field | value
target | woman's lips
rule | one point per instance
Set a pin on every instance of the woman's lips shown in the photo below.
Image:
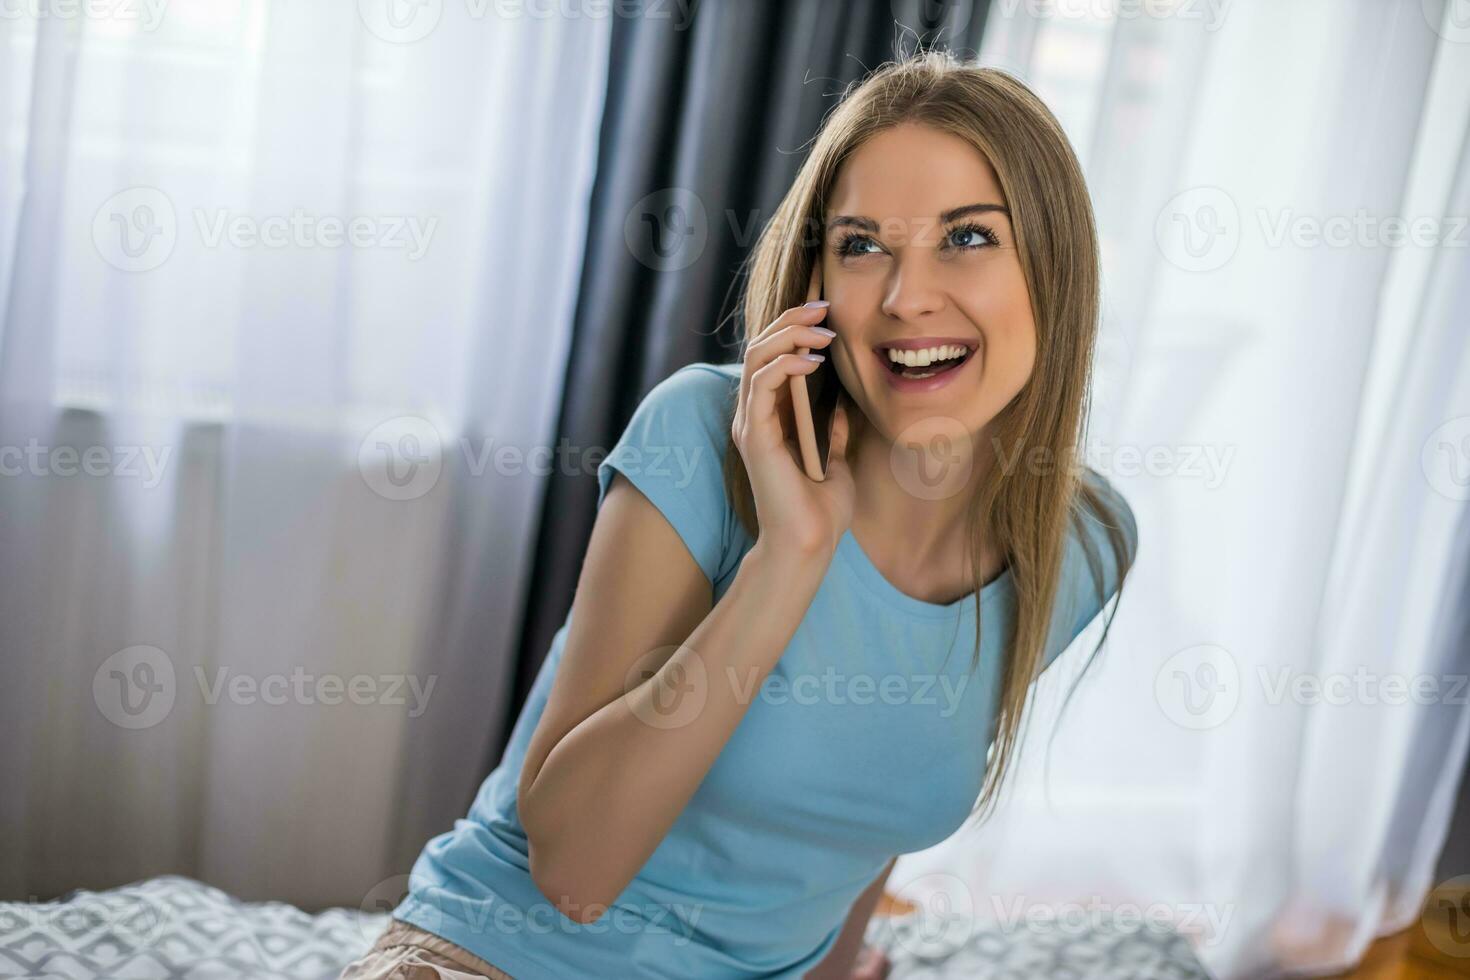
(933, 382)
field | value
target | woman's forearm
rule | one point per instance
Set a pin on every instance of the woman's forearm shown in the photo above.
(839, 961)
(609, 791)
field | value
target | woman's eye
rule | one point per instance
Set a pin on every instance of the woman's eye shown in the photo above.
(854, 245)
(970, 238)
(964, 239)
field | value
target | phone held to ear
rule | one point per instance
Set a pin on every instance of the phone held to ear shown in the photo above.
(814, 407)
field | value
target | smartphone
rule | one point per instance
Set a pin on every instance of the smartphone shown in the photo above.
(814, 406)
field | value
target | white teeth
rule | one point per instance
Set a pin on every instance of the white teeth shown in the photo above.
(927, 356)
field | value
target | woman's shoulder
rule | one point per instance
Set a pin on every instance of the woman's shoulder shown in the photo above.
(672, 450)
(1101, 547)
(693, 401)
(704, 382)
(692, 407)
(1102, 507)
(729, 374)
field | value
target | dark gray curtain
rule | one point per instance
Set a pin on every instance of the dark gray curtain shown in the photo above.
(705, 125)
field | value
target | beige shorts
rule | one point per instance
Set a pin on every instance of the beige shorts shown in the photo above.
(406, 952)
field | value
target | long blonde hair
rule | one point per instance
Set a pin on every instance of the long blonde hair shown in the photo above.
(1056, 239)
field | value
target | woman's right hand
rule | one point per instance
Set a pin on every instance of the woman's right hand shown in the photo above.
(793, 509)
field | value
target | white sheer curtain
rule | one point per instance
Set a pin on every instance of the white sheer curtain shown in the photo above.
(266, 268)
(1265, 751)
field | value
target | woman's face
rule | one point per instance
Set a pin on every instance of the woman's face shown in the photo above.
(901, 271)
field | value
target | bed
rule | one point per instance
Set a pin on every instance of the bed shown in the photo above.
(175, 927)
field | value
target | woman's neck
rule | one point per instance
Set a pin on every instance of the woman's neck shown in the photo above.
(912, 503)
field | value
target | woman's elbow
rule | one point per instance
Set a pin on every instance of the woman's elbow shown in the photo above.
(564, 894)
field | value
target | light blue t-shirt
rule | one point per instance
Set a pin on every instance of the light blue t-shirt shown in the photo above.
(864, 741)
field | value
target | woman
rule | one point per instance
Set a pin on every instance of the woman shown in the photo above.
(752, 708)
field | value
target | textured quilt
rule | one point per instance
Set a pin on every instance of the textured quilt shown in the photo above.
(173, 927)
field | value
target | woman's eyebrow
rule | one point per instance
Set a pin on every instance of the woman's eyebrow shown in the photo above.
(868, 224)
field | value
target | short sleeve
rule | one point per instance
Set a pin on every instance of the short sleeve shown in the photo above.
(673, 450)
(1079, 599)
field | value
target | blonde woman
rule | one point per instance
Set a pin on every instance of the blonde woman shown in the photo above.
(753, 707)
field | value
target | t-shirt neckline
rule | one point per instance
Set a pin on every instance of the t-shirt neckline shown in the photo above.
(862, 565)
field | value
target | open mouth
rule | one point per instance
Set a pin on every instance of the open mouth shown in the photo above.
(917, 364)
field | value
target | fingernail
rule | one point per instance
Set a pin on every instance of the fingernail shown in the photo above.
(818, 302)
(825, 332)
(814, 357)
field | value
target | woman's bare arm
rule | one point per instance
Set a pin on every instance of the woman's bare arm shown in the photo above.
(600, 786)
(840, 959)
